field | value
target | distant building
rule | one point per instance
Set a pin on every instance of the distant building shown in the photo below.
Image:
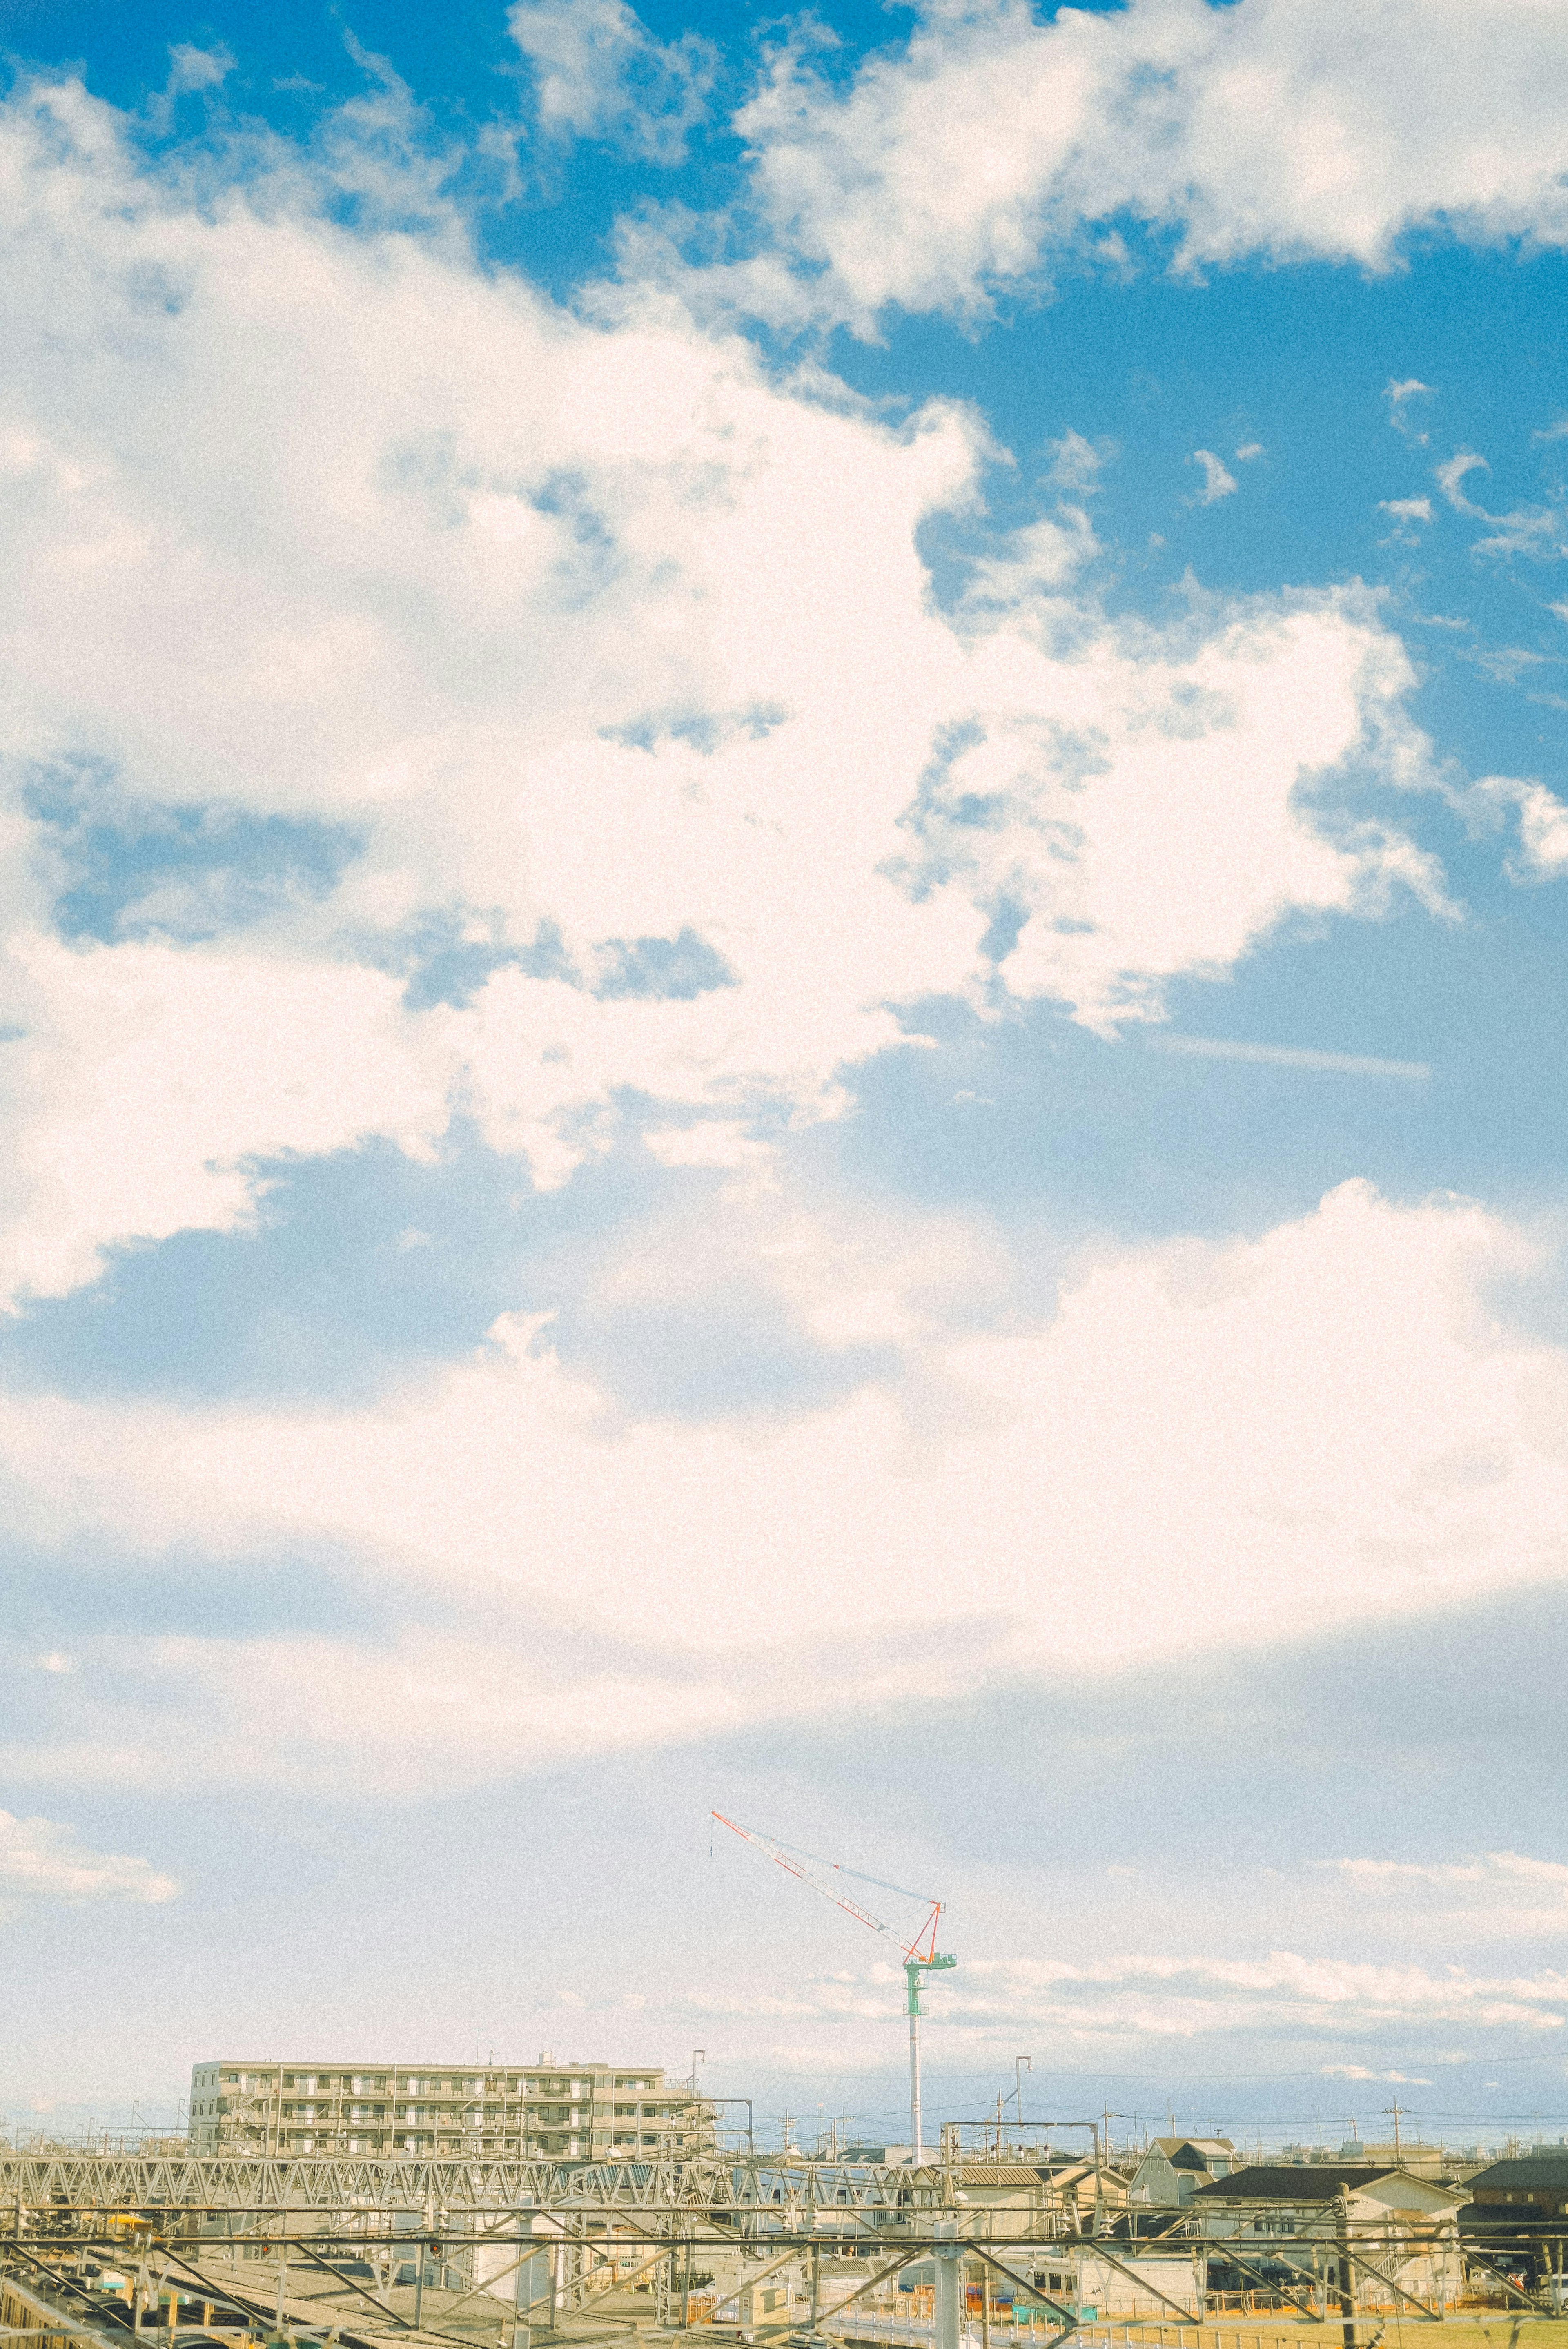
(1173, 2169)
(582, 2111)
(1520, 2194)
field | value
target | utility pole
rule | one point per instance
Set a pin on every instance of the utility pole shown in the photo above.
(1395, 2109)
(1347, 2274)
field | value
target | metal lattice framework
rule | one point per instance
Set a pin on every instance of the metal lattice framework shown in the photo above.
(237, 2182)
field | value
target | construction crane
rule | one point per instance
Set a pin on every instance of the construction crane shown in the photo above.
(921, 1955)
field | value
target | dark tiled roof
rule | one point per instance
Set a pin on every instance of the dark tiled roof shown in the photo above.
(1318, 2181)
(1525, 2169)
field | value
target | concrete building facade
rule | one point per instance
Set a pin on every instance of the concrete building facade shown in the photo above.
(577, 2111)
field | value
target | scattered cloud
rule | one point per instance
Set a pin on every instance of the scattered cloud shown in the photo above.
(600, 74)
(1506, 664)
(1189, 1997)
(1076, 463)
(1543, 823)
(1253, 449)
(961, 159)
(1217, 481)
(41, 1861)
(1540, 532)
(1399, 397)
(1500, 1896)
(1404, 513)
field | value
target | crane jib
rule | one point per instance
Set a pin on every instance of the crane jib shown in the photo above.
(920, 1956)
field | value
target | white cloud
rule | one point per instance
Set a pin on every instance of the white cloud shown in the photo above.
(1218, 482)
(1360, 2071)
(1291, 1056)
(1141, 1999)
(1535, 531)
(1543, 823)
(600, 74)
(1208, 1444)
(1403, 513)
(953, 162)
(564, 622)
(1076, 463)
(40, 1860)
(1399, 397)
(145, 1078)
(1186, 1996)
(1503, 1895)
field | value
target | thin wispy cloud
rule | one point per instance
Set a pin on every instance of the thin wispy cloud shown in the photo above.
(42, 1860)
(1290, 1056)
(1219, 481)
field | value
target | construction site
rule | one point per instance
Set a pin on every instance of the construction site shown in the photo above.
(319, 2202)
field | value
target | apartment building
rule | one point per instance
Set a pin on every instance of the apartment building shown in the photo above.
(576, 2111)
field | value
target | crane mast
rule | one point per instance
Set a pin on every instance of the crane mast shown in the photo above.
(921, 1956)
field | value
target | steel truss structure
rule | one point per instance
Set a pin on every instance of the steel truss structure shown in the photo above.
(253, 2184)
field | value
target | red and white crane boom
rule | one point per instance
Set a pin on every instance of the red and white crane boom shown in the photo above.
(920, 1955)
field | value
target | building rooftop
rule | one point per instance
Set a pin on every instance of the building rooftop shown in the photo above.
(1548, 2167)
(1294, 2181)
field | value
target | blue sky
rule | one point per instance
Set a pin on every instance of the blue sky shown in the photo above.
(783, 855)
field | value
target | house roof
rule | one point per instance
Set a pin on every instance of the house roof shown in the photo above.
(1525, 2169)
(1214, 2146)
(1000, 2173)
(1279, 2182)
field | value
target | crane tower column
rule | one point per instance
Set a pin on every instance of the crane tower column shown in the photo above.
(913, 1968)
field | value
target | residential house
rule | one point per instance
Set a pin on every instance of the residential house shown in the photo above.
(1400, 2232)
(1173, 2169)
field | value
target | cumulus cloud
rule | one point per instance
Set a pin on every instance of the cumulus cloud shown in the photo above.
(41, 1861)
(599, 73)
(955, 162)
(1205, 1445)
(550, 635)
